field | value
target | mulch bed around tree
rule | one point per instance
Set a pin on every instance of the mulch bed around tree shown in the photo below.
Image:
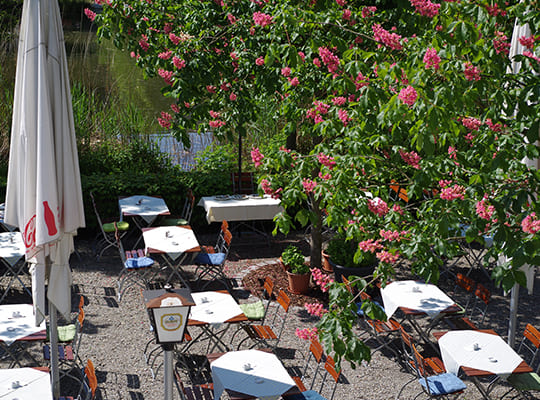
(253, 282)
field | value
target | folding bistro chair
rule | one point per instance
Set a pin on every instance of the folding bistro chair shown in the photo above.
(138, 269)
(329, 370)
(108, 230)
(268, 335)
(434, 364)
(526, 383)
(211, 260)
(196, 392)
(433, 385)
(185, 216)
(89, 385)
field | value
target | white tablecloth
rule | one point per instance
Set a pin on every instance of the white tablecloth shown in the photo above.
(11, 247)
(247, 208)
(8, 227)
(173, 240)
(415, 295)
(214, 307)
(493, 355)
(17, 321)
(32, 384)
(267, 378)
(146, 207)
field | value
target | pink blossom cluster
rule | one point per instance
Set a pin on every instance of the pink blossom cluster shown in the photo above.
(452, 152)
(321, 107)
(259, 61)
(483, 210)
(309, 185)
(90, 14)
(497, 127)
(167, 28)
(471, 123)
(386, 257)
(412, 158)
(307, 333)
(392, 236)
(165, 55)
(426, 7)
(495, 10)
(329, 59)
(216, 123)
(143, 42)
(368, 11)
(341, 2)
(256, 156)
(530, 224)
(175, 39)
(346, 15)
(408, 95)
(327, 161)
(500, 42)
(397, 208)
(528, 42)
(343, 115)
(166, 75)
(445, 183)
(531, 55)
(361, 81)
(391, 40)
(339, 101)
(232, 19)
(286, 71)
(175, 108)
(178, 62)
(324, 177)
(321, 279)
(315, 309)
(262, 19)
(370, 245)
(165, 120)
(453, 192)
(471, 72)
(432, 59)
(378, 206)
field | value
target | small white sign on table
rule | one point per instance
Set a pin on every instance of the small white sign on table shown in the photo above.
(479, 350)
(214, 307)
(18, 321)
(414, 295)
(25, 384)
(252, 372)
(146, 207)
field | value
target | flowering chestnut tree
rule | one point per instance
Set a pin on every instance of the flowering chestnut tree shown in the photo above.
(406, 130)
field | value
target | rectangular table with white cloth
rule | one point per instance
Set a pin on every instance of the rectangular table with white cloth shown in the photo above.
(17, 331)
(213, 313)
(417, 299)
(251, 372)
(240, 208)
(12, 251)
(6, 227)
(143, 210)
(174, 244)
(479, 353)
(25, 384)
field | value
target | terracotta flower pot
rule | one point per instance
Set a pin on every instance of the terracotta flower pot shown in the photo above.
(326, 265)
(340, 271)
(299, 283)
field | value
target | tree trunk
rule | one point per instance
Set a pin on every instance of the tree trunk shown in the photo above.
(316, 236)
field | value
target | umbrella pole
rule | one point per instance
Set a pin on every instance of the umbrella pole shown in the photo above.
(53, 333)
(512, 327)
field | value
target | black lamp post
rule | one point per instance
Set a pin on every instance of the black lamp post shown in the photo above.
(168, 310)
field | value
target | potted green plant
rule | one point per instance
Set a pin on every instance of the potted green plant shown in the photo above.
(347, 259)
(297, 269)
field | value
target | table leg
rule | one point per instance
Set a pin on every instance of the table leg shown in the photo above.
(481, 389)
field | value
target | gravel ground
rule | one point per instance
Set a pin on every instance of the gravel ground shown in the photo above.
(115, 333)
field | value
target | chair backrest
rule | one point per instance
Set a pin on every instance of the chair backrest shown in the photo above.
(243, 183)
(330, 370)
(96, 212)
(396, 191)
(482, 293)
(189, 203)
(407, 343)
(465, 282)
(419, 362)
(531, 343)
(91, 379)
(280, 314)
(268, 288)
(81, 303)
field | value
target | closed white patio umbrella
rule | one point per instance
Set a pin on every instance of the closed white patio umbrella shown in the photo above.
(44, 197)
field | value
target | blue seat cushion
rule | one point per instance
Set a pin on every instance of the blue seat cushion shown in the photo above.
(138, 262)
(443, 384)
(210, 258)
(307, 395)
